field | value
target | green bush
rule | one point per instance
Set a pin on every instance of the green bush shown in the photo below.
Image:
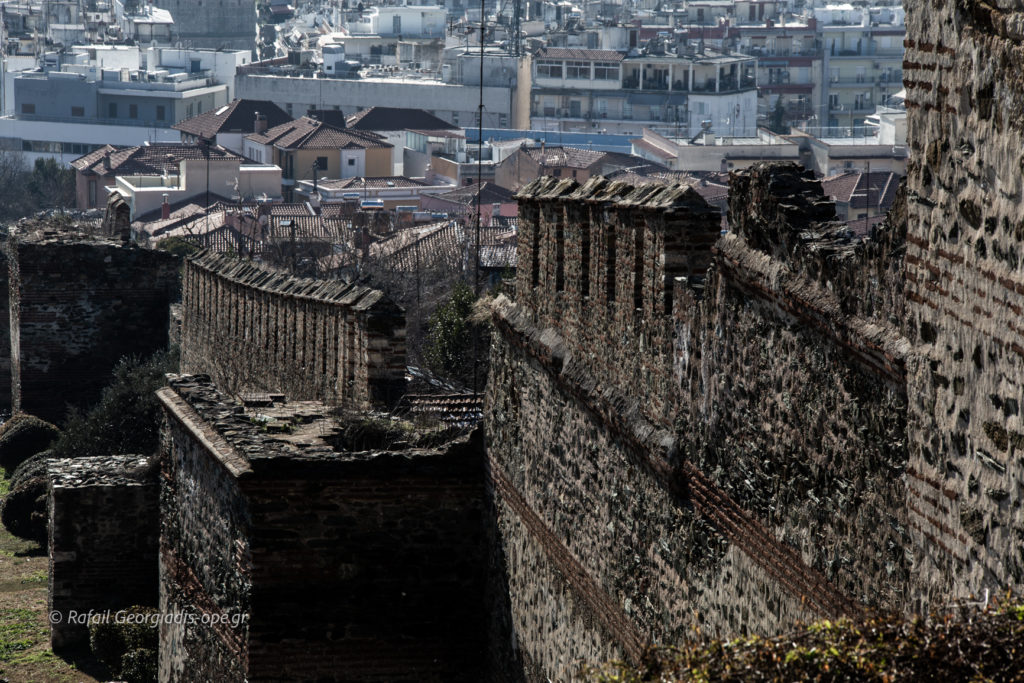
(23, 436)
(24, 512)
(34, 467)
(128, 650)
(127, 418)
(179, 246)
(450, 339)
(139, 666)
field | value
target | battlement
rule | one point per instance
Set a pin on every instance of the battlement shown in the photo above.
(254, 329)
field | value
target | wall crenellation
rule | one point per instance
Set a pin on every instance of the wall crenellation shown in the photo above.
(693, 401)
(253, 329)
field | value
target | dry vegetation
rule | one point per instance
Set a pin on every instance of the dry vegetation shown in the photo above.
(967, 644)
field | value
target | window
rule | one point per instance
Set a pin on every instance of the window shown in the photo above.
(161, 113)
(78, 111)
(352, 162)
(579, 70)
(606, 71)
(833, 101)
(189, 112)
(28, 108)
(92, 193)
(112, 110)
(549, 69)
(133, 111)
(321, 163)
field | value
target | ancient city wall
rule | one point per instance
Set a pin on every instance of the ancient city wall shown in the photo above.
(104, 527)
(77, 305)
(965, 293)
(336, 565)
(684, 433)
(254, 329)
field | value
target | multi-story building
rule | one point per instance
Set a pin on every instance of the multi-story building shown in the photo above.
(789, 66)
(96, 95)
(622, 92)
(308, 149)
(862, 63)
(215, 24)
(297, 92)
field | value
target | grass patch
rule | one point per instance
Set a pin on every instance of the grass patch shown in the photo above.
(38, 578)
(19, 631)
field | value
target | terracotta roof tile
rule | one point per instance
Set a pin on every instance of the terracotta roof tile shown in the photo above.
(238, 116)
(151, 159)
(308, 133)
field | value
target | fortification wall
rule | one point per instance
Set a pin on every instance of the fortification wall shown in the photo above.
(964, 73)
(104, 527)
(253, 329)
(688, 460)
(77, 305)
(363, 566)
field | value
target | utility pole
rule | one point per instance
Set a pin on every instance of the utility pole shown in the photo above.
(479, 187)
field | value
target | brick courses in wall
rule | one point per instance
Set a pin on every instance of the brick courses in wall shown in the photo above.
(671, 417)
(104, 528)
(355, 566)
(965, 292)
(253, 329)
(76, 305)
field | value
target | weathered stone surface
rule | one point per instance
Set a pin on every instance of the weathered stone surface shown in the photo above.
(103, 535)
(318, 564)
(964, 73)
(257, 330)
(712, 447)
(77, 305)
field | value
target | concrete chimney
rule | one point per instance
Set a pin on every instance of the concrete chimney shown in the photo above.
(165, 209)
(260, 126)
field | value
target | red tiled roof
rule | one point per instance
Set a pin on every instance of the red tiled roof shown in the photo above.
(238, 116)
(861, 190)
(489, 194)
(151, 159)
(307, 133)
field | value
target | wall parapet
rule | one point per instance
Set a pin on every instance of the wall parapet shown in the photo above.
(255, 329)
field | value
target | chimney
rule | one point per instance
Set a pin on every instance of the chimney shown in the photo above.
(260, 126)
(165, 209)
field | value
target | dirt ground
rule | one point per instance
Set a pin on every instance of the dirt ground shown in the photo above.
(25, 655)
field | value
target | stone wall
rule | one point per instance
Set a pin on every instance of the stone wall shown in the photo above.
(104, 528)
(310, 561)
(686, 433)
(965, 293)
(77, 305)
(253, 329)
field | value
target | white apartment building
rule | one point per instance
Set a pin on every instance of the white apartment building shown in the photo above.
(622, 92)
